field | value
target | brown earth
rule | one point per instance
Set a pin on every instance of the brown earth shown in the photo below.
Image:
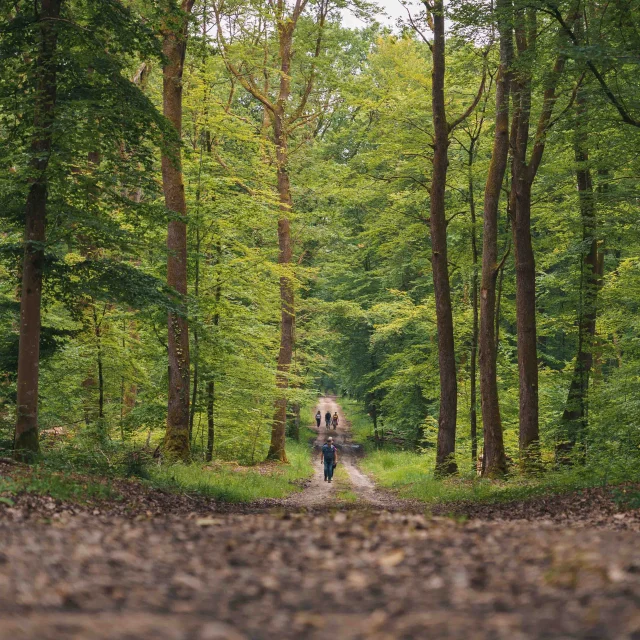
(168, 567)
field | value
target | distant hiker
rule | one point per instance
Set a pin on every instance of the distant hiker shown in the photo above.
(329, 457)
(327, 419)
(334, 420)
(318, 418)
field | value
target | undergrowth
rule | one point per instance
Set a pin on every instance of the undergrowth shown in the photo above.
(410, 473)
(411, 476)
(235, 483)
(96, 467)
(61, 486)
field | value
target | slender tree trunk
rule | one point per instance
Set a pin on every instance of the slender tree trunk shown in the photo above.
(210, 424)
(526, 322)
(445, 456)
(287, 323)
(26, 443)
(196, 342)
(98, 334)
(473, 403)
(176, 443)
(296, 423)
(574, 418)
(494, 461)
(523, 176)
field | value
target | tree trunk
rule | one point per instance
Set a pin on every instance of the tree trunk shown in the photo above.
(574, 418)
(278, 429)
(196, 341)
(296, 422)
(494, 462)
(523, 176)
(526, 322)
(473, 402)
(176, 443)
(26, 443)
(287, 323)
(98, 334)
(210, 425)
(445, 460)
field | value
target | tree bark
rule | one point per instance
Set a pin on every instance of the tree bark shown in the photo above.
(494, 461)
(473, 401)
(523, 175)
(210, 424)
(445, 456)
(287, 302)
(575, 417)
(26, 443)
(176, 443)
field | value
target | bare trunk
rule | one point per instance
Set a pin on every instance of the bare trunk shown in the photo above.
(210, 424)
(574, 418)
(473, 402)
(523, 176)
(176, 443)
(287, 323)
(211, 383)
(278, 429)
(26, 443)
(196, 341)
(526, 322)
(494, 461)
(445, 457)
(296, 423)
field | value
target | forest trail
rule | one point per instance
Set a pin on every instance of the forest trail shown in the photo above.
(319, 493)
(167, 567)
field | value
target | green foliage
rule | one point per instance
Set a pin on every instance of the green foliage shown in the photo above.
(234, 483)
(57, 485)
(411, 475)
(360, 166)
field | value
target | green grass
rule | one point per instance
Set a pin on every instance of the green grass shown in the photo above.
(411, 476)
(237, 483)
(361, 424)
(343, 485)
(61, 486)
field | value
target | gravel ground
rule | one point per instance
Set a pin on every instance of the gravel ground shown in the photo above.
(161, 566)
(70, 573)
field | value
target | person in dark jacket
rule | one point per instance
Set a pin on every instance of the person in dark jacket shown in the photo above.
(329, 458)
(327, 419)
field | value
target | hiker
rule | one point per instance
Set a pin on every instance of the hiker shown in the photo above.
(334, 420)
(329, 457)
(327, 419)
(318, 418)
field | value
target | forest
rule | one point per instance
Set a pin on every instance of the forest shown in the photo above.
(214, 210)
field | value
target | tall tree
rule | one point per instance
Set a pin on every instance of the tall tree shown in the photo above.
(494, 459)
(174, 47)
(283, 118)
(574, 417)
(26, 444)
(445, 456)
(523, 173)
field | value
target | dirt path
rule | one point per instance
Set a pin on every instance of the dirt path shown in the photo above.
(182, 569)
(319, 493)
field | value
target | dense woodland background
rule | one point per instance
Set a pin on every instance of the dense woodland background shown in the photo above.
(318, 185)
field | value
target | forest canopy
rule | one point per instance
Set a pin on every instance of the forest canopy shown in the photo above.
(214, 209)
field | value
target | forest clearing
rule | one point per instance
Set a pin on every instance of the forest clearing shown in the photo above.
(412, 225)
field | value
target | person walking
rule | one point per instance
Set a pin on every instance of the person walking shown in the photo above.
(334, 420)
(327, 419)
(318, 418)
(329, 457)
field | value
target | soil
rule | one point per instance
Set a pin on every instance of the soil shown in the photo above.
(168, 567)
